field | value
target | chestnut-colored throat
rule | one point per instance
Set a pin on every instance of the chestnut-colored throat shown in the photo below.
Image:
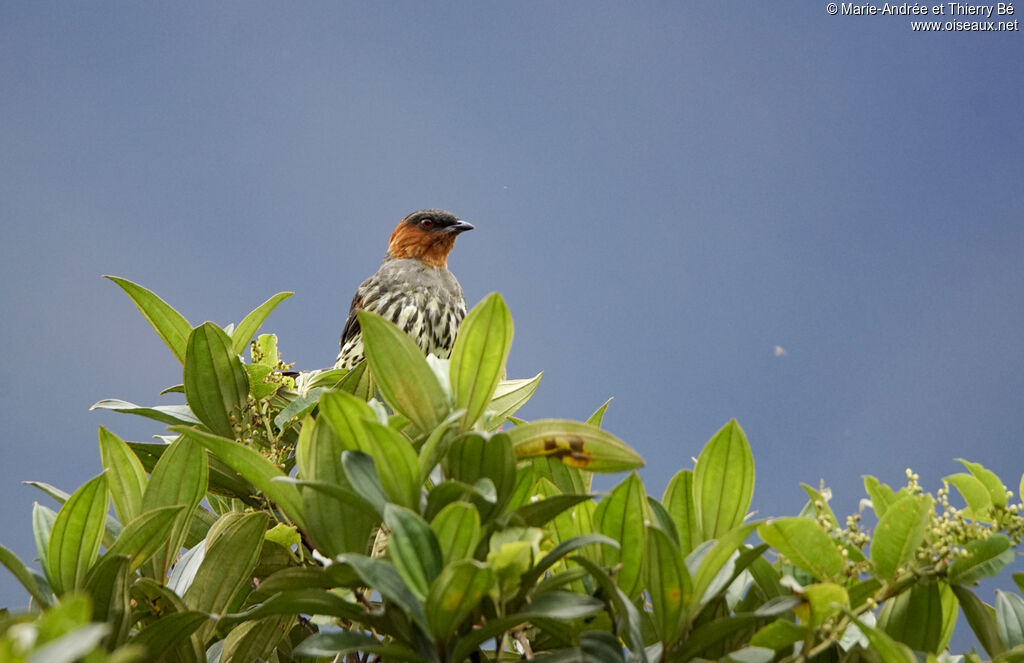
(431, 247)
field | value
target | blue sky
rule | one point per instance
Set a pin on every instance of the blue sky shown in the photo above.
(662, 192)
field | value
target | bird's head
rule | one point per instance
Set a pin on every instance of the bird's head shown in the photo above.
(427, 235)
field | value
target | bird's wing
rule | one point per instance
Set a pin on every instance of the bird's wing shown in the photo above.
(351, 328)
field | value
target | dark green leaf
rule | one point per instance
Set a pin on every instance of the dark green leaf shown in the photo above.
(985, 558)
(385, 579)
(216, 384)
(167, 414)
(24, 576)
(414, 549)
(170, 325)
(921, 618)
(147, 534)
(1010, 618)
(170, 632)
(982, 620)
(458, 531)
(343, 642)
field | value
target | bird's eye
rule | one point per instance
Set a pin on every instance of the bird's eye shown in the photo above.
(427, 223)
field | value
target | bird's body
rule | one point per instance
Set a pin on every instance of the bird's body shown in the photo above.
(413, 287)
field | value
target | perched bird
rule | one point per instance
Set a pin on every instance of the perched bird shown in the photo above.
(413, 287)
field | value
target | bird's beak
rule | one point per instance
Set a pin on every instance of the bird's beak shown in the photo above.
(459, 227)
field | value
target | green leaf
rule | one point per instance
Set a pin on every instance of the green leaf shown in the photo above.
(385, 579)
(1010, 618)
(454, 595)
(629, 619)
(179, 478)
(167, 414)
(227, 565)
(881, 495)
(216, 384)
(779, 634)
(170, 632)
(414, 549)
(985, 558)
(125, 473)
(988, 478)
(306, 601)
(899, 533)
(478, 358)
(76, 535)
(255, 640)
(669, 585)
(678, 500)
(597, 417)
(401, 371)
(715, 567)
(107, 585)
(723, 481)
(884, 647)
(621, 516)
(249, 325)
(401, 475)
(458, 531)
(42, 525)
(170, 325)
(576, 444)
(540, 512)
(254, 467)
(361, 473)
(344, 642)
(24, 576)
(982, 620)
(805, 544)
(975, 494)
(509, 396)
(922, 617)
(472, 458)
(71, 646)
(147, 534)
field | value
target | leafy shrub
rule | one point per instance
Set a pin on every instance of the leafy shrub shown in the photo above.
(321, 523)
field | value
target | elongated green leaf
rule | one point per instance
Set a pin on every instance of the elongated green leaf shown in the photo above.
(254, 467)
(458, 531)
(307, 601)
(107, 585)
(678, 500)
(170, 632)
(478, 358)
(575, 444)
(24, 576)
(805, 544)
(346, 414)
(669, 585)
(1010, 618)
(402, 374)
(170, 325)
(716, 565)
(394, 453)
(723, 481)
(125, 473)
(42, 525)
(454, 595)
(988, 478)
(385, 579)
(982, 619)
(414, 549)
(542, 511)
(343, 642)
(249, 325)
(216, 384)
(621, 516)
(779, 634)
(899, 533)
(921, 618)
(76, 535)
(472, 458)
(563, 549)
(179, 478)
(361, 473)
(975, 494)
(509, 396)
(255, 640)
(887, 649)
(147, 534)
(227, 565)
(71, 646)
(167, 414)
(985, 558)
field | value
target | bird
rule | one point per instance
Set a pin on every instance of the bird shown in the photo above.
(413, 287)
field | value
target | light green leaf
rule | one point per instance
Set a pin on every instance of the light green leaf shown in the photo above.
(669, 585)
(454, 595)
(678, 500)
(76, 535)
(24, 576)
(982, 619)
(992, 483)
(401, 371)
(975, 494)
(899, 533)
(393, 454)
(985, 558)
(125, 473)
(478, 358)
(805, 544)
(170, 325)
(621, 515)
(167, 414)
(458, 531)
(723, 481)
(881, 495)
(146, 534)
(251, 323)
(509, 396)
(574, 443)
(216, 383)
(922, 617)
